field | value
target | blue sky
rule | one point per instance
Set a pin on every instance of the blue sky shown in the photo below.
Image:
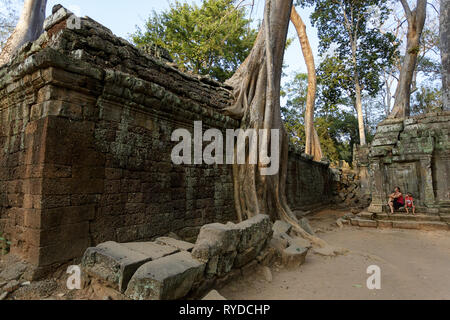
(122, 17)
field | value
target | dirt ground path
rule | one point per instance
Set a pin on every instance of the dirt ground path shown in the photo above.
(414, 265)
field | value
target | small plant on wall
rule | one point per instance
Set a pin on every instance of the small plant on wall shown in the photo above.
(4, 245)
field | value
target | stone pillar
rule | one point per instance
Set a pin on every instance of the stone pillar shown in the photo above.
(361, 164)
(379, 197)
(427, 181)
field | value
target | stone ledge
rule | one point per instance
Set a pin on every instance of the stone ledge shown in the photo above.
(400, 224)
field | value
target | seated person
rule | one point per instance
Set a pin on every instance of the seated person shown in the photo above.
(409, 203)
(396, 200)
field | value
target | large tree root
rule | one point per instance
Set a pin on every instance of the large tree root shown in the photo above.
(257, 86)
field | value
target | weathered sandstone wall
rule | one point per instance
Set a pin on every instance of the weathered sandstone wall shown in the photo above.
(85, 142)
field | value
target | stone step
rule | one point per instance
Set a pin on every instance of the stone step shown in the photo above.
(414, 225)
(400, 217)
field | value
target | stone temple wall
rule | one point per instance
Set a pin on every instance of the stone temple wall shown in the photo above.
(309, 183)
(413, 154)
(85, 142)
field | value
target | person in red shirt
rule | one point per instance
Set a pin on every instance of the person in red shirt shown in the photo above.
(409, 203)
(396, 200)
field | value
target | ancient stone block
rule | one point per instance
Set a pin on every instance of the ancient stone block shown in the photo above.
(226, 262)
(216, 239)
(367, 223)
(178, 244)
(245, 257)
(253, 231)
(294, 256)
(113, 263)
(266, 257)
(168, 278)
(281, 227)
(300, 242)
(151, 249)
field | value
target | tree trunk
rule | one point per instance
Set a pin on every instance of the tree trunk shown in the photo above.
(416, 22)
(358, 99)
(445, 43)
(388, 95)
(257, 85)
(312, 146)
(359, 111)
(28, 29)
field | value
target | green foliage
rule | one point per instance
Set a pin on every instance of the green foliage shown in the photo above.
(4, 245)
(351, 44)
(211, 39)
(427, 99)
(332, 127)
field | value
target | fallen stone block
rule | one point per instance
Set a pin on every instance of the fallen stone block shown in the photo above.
(199, 289)
(266, 257)
(216, 239)
(294, 256)
(281, 227)
(178, 244)
(226, 262)
(168, 278)
(212, 265)
(245, 257)
(113, 263)
(254, 231)
(278, 243)
(151, 249)
(300, 242)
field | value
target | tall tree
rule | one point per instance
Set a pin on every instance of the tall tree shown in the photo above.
(257, 85)
(445, 44)
(416, 21)
(28, 29)
(211, 39)
(293, 112)
(345, 28)
(312, 145)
